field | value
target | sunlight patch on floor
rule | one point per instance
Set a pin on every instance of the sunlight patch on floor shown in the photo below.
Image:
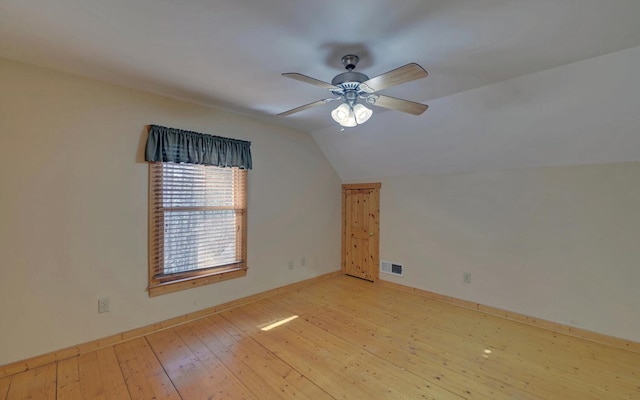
(277, 323)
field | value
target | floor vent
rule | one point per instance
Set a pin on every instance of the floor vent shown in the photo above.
(391, 268)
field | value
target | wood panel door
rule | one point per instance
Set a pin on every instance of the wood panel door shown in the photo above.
(360, 230)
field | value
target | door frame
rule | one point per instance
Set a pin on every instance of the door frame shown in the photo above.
(376, 228)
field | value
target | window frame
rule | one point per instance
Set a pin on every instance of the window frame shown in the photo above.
(162, 284)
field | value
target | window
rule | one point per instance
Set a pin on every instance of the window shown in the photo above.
(198, 225)
(197, 208)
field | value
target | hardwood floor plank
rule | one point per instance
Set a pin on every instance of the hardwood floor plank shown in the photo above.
(413, 356)
(457, 320)
(69, 380)
(533, 347)
(204, 344)
(456, 366)
(38, 383)
(312, 362)
(111, 374)
(351, 369)
(278, 375)
(101, 375)
(4, 387)
(143, 373)
(195, 378)
(422, 324)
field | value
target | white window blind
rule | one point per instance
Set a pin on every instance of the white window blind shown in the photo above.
(198, 221)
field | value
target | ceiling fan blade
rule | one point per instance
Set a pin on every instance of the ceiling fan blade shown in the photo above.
(308, 79)
(407, 106)
(302, 108)
(407, 73)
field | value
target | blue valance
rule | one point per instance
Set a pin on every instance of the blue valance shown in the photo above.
(178, 146)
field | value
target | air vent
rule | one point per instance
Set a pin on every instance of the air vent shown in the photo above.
(391, 268)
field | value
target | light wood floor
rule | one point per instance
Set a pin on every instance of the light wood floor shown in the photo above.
(350, 340)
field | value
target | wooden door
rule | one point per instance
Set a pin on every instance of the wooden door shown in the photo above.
(360, 230)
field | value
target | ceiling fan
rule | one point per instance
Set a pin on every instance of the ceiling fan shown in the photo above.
(355, 88)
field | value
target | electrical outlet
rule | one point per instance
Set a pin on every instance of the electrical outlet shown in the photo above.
(103, 305)
(466, 277)
(303, 261)
(290, 264)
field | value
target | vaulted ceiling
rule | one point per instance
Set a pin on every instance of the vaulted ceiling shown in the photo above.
(499, 95)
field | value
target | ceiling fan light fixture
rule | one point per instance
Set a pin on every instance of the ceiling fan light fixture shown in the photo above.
(361, 113)
(350, 122)
(341, 113)
(348, 116)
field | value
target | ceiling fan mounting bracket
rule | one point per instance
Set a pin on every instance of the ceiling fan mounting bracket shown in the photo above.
(350, 61)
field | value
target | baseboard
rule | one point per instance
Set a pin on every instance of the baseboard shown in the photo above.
(38, 361)
(525, 319)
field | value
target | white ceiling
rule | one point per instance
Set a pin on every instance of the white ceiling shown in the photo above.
(230, 54)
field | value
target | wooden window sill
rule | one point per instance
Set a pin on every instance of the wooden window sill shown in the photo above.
(161, 288)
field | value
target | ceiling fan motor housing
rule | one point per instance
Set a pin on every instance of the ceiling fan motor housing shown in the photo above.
(349, 76)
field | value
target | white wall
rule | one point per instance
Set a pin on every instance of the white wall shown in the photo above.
(73, 209)
(558, 243)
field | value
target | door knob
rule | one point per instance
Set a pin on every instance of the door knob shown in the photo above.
(370, 233)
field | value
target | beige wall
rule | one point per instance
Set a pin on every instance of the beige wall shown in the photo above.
(73, 209)
(562, 243)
